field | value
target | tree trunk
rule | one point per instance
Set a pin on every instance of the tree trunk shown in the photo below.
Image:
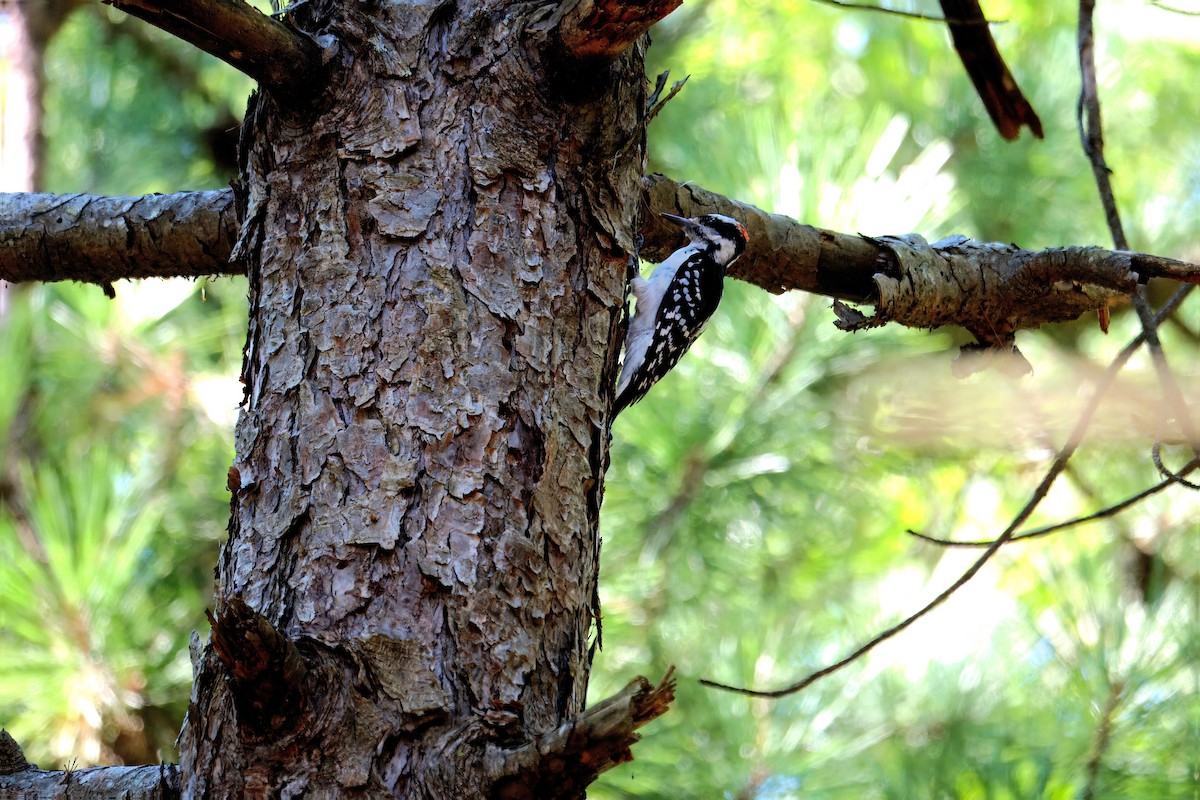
(437, 256)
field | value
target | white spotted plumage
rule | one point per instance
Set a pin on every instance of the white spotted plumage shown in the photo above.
(675, 303)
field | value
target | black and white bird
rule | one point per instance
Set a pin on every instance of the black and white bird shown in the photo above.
(675, 303)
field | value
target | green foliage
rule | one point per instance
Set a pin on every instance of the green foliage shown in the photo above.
(757, 499)
(115, 417)
(115, 420)
(133, 110)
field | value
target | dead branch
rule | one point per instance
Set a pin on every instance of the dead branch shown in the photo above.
(1056, 468)
(563, 762)
(1102, 388)
(268, 676)
(1091, 132)
(46, 237)
(1092, 138)
(601, 30)
(1104, 513)
(1035, 499)
(991, 289)
(997, 88)
(286, 62)
(653, 103)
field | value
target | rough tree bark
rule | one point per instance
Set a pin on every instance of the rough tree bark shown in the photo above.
(437, 246)
(437, 251)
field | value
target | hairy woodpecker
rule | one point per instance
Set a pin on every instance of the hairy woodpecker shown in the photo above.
(675, 303)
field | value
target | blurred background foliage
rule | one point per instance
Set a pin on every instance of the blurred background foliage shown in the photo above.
(757, 500)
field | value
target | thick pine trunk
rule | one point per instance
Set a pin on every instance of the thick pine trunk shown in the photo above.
(437, 261)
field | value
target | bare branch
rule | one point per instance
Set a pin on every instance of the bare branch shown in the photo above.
(286, 62)
(907, 14)
(1104, 513)
(12, 757)
(1091, 133)
(46, 237)
(97, 783)
(1173, 10)
(991, 289)
(601, 30)
(997, 88)
(1102, 387)
(191, 234)
(1060, 463)
(562, 762)
(267, 673)
(653, 104)
(1163, 469)
(1039, 494)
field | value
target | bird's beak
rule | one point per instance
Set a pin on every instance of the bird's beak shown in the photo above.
(683, 222)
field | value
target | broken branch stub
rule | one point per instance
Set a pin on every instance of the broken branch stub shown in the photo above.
(990, 288)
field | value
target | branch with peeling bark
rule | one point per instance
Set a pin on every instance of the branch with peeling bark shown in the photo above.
(78, 237)
(286, 62)
(991, 289)
(19, 778)
(563, 762)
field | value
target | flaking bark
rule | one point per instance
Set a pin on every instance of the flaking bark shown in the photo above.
(48, 237)
(992, 289)
(437, 268)
(20, 779)
(190, 234)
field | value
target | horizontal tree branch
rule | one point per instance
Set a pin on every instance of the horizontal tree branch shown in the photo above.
(21, 779)
(98, 783)
(991, 289)
(46, 237)
(287, 63)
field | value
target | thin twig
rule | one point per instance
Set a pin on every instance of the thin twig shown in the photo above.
(1173, 10)
(908, 14)
(1092, 138)
(1087, 116)
(1038, 495)
(1104, 513)
(1060, 462)
(1100, 739)
(1102, 387)
(1164, 470)
(654, 105)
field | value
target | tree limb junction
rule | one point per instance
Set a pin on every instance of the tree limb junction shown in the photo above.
(286, 62)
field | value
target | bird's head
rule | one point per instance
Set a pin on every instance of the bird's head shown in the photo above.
(722, 237)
